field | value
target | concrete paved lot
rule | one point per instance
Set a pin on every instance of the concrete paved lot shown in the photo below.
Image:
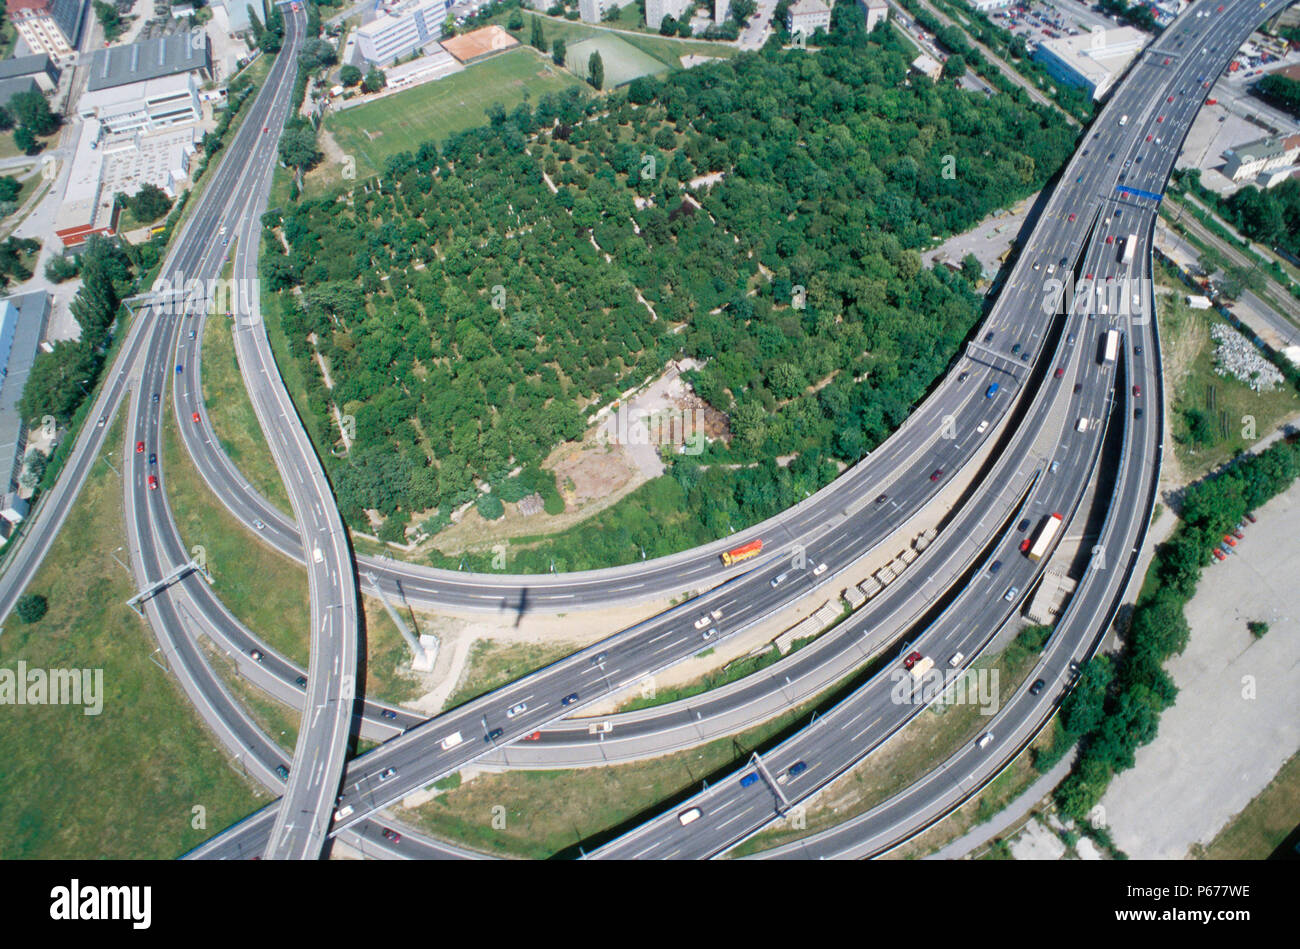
(1222, 742)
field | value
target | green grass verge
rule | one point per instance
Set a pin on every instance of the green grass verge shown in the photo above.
(122, 784)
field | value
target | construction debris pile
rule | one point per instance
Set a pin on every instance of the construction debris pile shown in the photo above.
(1236, 356)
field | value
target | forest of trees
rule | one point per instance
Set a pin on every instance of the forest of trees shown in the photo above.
(470, 323)
(1271, 217)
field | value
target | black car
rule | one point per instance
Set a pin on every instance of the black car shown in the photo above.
(1037, 687)
(282, 771)
(1110, 157)
(387, 713)
(301, 682)
(153, 458)
(1023, 525)
(962, 377)
(493, 735)
(1137, 350)
(1078, 387)
(995, 566)
(882, 499)
(1062, 261)
(1015, 348)
(988, 337)
(1137, 413)
(570, 698)
(155, 396)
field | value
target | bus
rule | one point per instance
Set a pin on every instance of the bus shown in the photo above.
(743, 552)
(1045, 535)
(1130, 245)
(1112, 346)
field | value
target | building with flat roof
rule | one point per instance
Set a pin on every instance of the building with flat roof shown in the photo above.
(39, 67)
(1092, 61)
(22, 325)
(52, 27)
(656, 10)
(874, 12)
(144, 106)
(927, 65)
(806, 17)
(150, 59)
(1246, 161)
(400, 28)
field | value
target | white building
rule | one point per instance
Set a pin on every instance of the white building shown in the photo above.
(721, 10)
(1091, 60)
(52, 27)
(144, 106)
(402, 27)
(874, 12)
(928, 66)
(591, 11)
(985, 5)
(656, 10)
(806, 16)
(1246, 161)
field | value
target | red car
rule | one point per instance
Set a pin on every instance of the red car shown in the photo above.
(1229, 540)
(1170, 99)
(1110, 238)
(196, 416)
(1072, 217)
(1159, 119)
(1219, 554)
(535, 736)
(1251, 517)
(264, 128)
(1024, 545)
(1089, 276)
(911, 660)
(392, 835)
(1060, 372)
(1137, 390)
(1148, 138)
(153, 482)
(1167, 61)
(936, 474)
(1219, 8)
(139, 448)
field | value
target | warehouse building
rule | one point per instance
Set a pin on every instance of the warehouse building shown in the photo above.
(1092, 61)
(125, 66)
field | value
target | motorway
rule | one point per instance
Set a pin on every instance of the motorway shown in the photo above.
(730, 812)
(626, 658)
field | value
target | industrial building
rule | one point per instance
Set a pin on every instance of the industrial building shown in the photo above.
(52, 27)
(144, 106)
(1092, 61)
(22, 326)
(178, 54)
(400, 28)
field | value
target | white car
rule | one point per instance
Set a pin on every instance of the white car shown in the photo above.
(983, 427)
(776, 582)
(387, 773)
(516, 709)
(819, 570)
(1011, 593)
(600, 728)
(708, 618)
(986, 739)
(956, 659)
(710, 633)
(343, 812)
(316, 555)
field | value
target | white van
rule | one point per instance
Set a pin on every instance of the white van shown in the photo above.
(689, 816)
(451, 741)
(956, 659)
(1123, 120)
(1082, 424)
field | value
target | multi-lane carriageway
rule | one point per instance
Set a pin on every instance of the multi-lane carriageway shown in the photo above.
(1159, 120)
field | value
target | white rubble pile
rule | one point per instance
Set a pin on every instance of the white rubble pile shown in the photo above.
(1236, 356)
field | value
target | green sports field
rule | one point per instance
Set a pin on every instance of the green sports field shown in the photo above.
(435, 110)
(623, 61)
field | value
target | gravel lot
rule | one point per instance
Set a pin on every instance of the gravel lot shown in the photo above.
(1220, 745)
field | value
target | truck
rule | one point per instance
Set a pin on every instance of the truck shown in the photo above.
(920, 668)
(743, 552)
(1130, 245)
(1046, 534)
(1111, 346)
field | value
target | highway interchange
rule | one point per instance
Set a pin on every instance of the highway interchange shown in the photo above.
(838, 526)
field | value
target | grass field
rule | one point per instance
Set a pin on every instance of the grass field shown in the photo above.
(492, 665)
(435, 110)
(121, 784)
(1188, 352)
(623, 61)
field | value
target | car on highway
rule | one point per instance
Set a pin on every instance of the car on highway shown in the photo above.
(1074, 217)
(391, 836)
(1037, 687)
(1059, 374)
(1010, 594)
(517, 709)
(798, 768)
(882, 498)
(139, 448)
(1054, 467)
(1137, 413)
(265, 129)
(962, 377)
(493, 735)
(192, 334)
(599, 658)
(955, 659)
(155, 397)
(709, 633)
(819, 570)
(569, 699)
(533, 736)
(708, 618)
(1110, 238)
(936, 474)
(259, 524)
(982, 427)
(153, 458)
(387, 713)
(387, 773)
(300, 682)
(1137, 390)
(1023, 525)
(256, 655)
(153, 482)
(1159, 119)
(180, 367)
(195, 416)
(985, 740)
(911, 660)
(282, 771)
(689, 816)
(344, 812)
(995, 566)
(778, 580)
(988, 337)
(748, 779)
(1070, 339)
